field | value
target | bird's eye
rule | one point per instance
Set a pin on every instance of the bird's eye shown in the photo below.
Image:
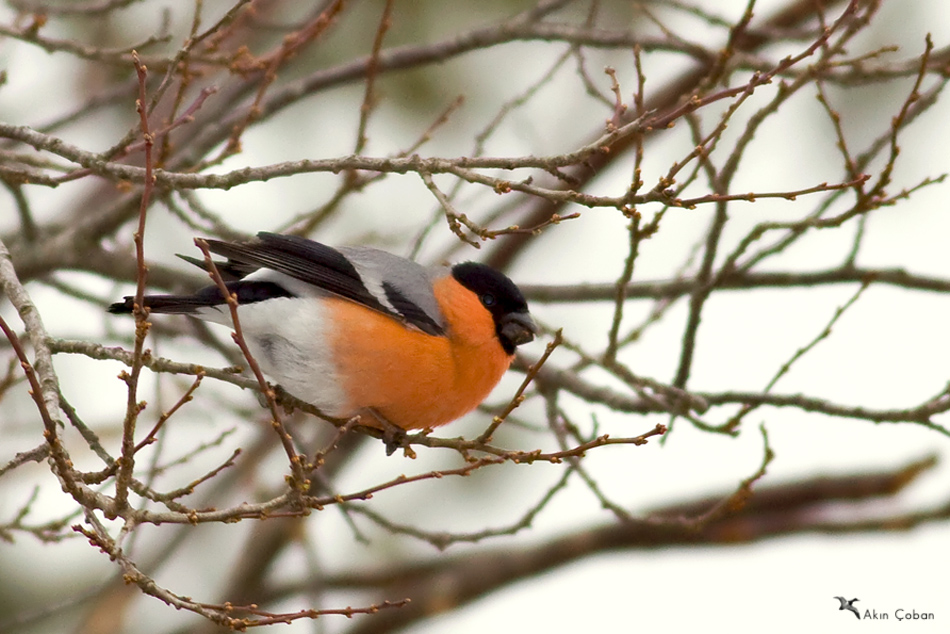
(488, 299)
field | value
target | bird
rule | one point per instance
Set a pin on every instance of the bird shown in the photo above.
(357, 331)
(848, 605)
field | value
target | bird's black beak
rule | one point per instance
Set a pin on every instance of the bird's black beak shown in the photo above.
(518, 328)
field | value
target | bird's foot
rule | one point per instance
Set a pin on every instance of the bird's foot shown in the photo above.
(394, 437)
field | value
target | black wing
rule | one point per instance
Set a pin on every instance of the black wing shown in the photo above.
(315, 264)
(308, 261)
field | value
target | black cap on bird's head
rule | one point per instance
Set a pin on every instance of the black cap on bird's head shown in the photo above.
(502, 299)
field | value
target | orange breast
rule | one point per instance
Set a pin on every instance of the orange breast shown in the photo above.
(413, 379)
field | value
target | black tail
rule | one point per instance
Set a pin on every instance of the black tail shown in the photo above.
(174, 304)
(247, 293)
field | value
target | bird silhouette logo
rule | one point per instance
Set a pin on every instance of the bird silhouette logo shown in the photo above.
(848, 605)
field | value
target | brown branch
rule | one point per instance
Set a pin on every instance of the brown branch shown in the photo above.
(300, 480)
(44, 384)
(664, 102)
(126, 462)
(801, 352)
(221, 614)
(518, 398)
(268, 65)
(61, 458)
(369, 96)
(185, 398)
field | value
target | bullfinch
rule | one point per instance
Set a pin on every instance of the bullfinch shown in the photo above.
(358, 331)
